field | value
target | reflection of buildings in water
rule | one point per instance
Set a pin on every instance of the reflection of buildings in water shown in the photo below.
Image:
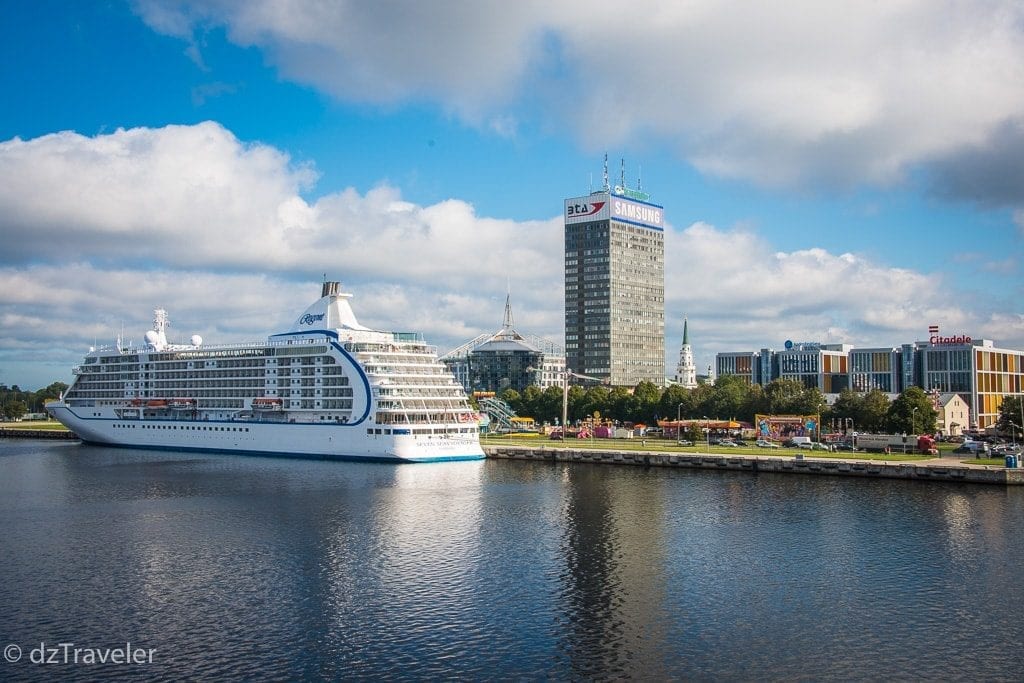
(613, 583)
(416, 545)
(963, 513)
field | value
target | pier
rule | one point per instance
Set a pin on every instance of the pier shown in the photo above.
(938, 469)
(16, 433)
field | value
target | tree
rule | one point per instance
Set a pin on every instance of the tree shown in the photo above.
(873, 412)
(14, 409)
(645, 404)
(513, 399)
(578, 402)
(845, 410)
(911, 413)
(729, 398)
(50, 393)
(549, 406)
(671, 398)
(785, 397)
(1011, 416)
(596, 399)
(619, 403)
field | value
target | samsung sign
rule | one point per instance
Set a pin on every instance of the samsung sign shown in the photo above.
(604, 206)
(635, 212)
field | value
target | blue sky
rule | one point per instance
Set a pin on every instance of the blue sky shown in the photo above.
(835, 172)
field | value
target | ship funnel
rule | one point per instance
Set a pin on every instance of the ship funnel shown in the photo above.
(331, 289)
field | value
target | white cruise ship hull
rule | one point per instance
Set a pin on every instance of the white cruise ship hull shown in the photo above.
(320, 441)
(327, 388)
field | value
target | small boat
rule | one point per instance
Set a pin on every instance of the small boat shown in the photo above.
(266, 403)
(156, 403)
(182, 403)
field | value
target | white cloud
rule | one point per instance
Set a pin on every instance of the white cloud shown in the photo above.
(793, 93)
(102, 230)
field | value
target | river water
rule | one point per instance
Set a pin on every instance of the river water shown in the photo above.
(221, 566)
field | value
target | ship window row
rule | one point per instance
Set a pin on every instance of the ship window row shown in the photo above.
(225, 384)
(205, 374)
(415, 418)
(434, 430)
(184, 428)
(299, 351)
(303, 361)
(114, 359)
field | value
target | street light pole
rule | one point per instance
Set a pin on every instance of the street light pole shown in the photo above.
(913, 421)
(679, 425)
(707, 433)
(565, 403)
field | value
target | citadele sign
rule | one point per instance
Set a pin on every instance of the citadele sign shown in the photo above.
(936, 340)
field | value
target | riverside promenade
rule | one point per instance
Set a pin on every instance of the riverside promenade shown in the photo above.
(936, 469)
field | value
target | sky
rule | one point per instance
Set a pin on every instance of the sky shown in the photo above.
(839, 172)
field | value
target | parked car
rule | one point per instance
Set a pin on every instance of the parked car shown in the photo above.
(729, 443)
(741, 443)
(684, 442)
(845, 447)
(764, 443)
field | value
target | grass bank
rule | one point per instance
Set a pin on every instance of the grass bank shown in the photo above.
(669, 446)
(35, 424)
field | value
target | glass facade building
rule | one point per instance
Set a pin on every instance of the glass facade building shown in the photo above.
(978, 372)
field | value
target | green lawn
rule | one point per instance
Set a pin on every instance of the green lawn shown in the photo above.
(35, 424)
(670, 446)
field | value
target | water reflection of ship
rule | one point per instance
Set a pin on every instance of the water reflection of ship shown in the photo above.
(613, 584)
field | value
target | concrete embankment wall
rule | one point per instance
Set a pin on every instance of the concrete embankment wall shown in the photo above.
(755, 463)
(8, 433)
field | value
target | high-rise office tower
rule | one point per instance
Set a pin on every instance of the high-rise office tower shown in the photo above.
(615, 285)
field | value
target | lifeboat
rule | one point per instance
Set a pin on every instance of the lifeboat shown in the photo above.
(182, 403)
(156, 403)
(266, 403)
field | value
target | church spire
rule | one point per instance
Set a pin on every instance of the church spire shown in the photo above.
(686, 370)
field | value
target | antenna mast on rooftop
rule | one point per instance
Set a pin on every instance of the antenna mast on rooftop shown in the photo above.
(605, 187)
(508, 323)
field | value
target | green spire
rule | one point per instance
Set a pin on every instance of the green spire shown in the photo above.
(686, 336)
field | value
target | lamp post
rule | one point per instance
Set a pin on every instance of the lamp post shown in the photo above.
(913, 421)
(707, 433)
(679, 425)
(565, 403)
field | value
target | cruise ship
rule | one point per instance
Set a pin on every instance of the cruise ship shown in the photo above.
(327, 388)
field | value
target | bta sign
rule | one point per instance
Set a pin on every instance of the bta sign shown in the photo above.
(936, 340)
(583, 210)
